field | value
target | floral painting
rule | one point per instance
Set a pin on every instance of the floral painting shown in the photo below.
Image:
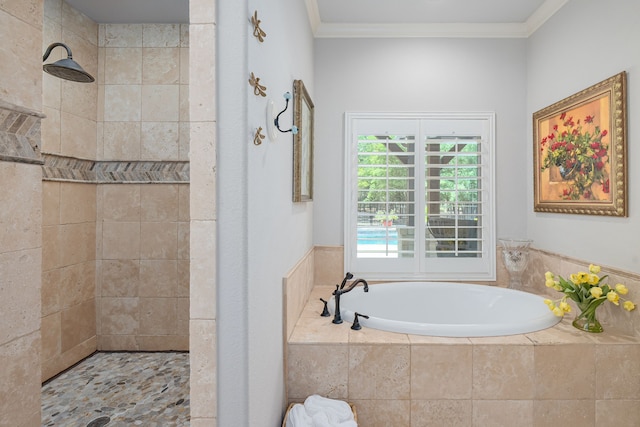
(579, 152)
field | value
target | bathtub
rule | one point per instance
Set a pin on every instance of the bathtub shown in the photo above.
(446, 309)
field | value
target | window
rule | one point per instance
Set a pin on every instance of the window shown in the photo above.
(419, 200)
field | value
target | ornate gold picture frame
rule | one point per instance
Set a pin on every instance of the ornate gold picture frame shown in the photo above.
(302, 144)
(580, 152)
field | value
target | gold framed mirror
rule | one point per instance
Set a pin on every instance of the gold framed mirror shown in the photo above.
(302, 144)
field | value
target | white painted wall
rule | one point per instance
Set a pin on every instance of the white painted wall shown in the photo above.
(420, 75)
(586, 42)
(279, 231)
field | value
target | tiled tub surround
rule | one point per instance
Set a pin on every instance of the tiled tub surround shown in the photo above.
(533, 379)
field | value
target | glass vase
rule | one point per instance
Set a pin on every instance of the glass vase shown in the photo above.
(587, 320)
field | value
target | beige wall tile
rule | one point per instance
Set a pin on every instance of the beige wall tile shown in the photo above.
(21, 213)
(182, 289)
(202, 72)
(80, 100)
(78, 324)
(30, 11)
(203, 174)
(160, 65)
(317, 369)
(159, 240)
(183, 240)
(77, 203)
(78, 136)
(184, 33)
(51, 256)
(623, 381)
(203, 368)
(617, 412)
(503, 372)
(122, 140)
(50, 130)
(122, 103)
(51, 333)
(184, 137)
(182, 313)
(159, 141)
(50, 203)
(203, 269)
(120, 278)
(379, 372)
(121, 202)
(450, 413)
(160, 103)
(183, 203)
(53, 10)
(161, 35)
(20, 385)
(85, 53)
(121, 240)
(79, 352)
(121, 35)
(117, 343)
(503, 413)
(555, 381)
(20, 289)
(21, 62)
(119, 316)
(159, 202)
(50, 294)
(573, 413)
(158, 278)
(184, 59)
(441, 372)
(79, 23)
(158, 316)
(77, 284)
(77, 243)
(163, 343)
(329, 262)
(202, 11)
(383, 413)
(51, 92)
(123, 65)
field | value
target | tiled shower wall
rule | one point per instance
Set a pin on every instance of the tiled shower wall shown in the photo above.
(69, 209)
(21, 213)
(115, 267)
(143, 229)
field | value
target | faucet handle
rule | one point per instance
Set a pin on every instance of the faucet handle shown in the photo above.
(325, 310)
(356, 324)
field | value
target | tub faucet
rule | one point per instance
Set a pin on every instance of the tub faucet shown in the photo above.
(340, 289)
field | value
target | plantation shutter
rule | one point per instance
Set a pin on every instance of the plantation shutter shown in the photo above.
(418, 196)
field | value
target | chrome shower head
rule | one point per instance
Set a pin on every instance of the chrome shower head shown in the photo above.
(67, 68)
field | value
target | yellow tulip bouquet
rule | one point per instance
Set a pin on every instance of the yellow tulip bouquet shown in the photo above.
(588, 291)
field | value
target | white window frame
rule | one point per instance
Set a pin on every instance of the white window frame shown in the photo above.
(482, 268)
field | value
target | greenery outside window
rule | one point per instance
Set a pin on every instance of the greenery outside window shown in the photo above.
(419, 199)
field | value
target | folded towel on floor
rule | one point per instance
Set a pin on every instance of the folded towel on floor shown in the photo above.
(336, 411)
(298, 417)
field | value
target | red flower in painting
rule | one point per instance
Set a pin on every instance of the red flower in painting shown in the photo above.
(605, 186)
(577, 149)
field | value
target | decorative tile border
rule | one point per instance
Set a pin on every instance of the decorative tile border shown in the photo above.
(19, 134)
(70, 169)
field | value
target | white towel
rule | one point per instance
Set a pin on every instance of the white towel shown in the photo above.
(336, 411)
(298, 417)
(320, 419)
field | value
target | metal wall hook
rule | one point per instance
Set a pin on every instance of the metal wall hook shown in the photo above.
(356, 324)
(257, 139)
(257, 31)
(258, 89)
(276, 121)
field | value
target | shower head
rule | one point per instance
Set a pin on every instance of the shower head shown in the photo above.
(67, 68)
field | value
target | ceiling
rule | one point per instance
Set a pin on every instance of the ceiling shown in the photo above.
(364, 18)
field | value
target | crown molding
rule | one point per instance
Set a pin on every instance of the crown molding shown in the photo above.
(420, 30)
(453, 30)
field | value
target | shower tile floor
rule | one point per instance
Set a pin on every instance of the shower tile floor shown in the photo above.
(118, 390)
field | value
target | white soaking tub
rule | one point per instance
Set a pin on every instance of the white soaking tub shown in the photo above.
(446, 309)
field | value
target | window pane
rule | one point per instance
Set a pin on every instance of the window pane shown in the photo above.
(386, 196)
(452, 197)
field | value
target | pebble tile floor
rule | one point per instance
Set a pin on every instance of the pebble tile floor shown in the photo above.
(120, 390)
